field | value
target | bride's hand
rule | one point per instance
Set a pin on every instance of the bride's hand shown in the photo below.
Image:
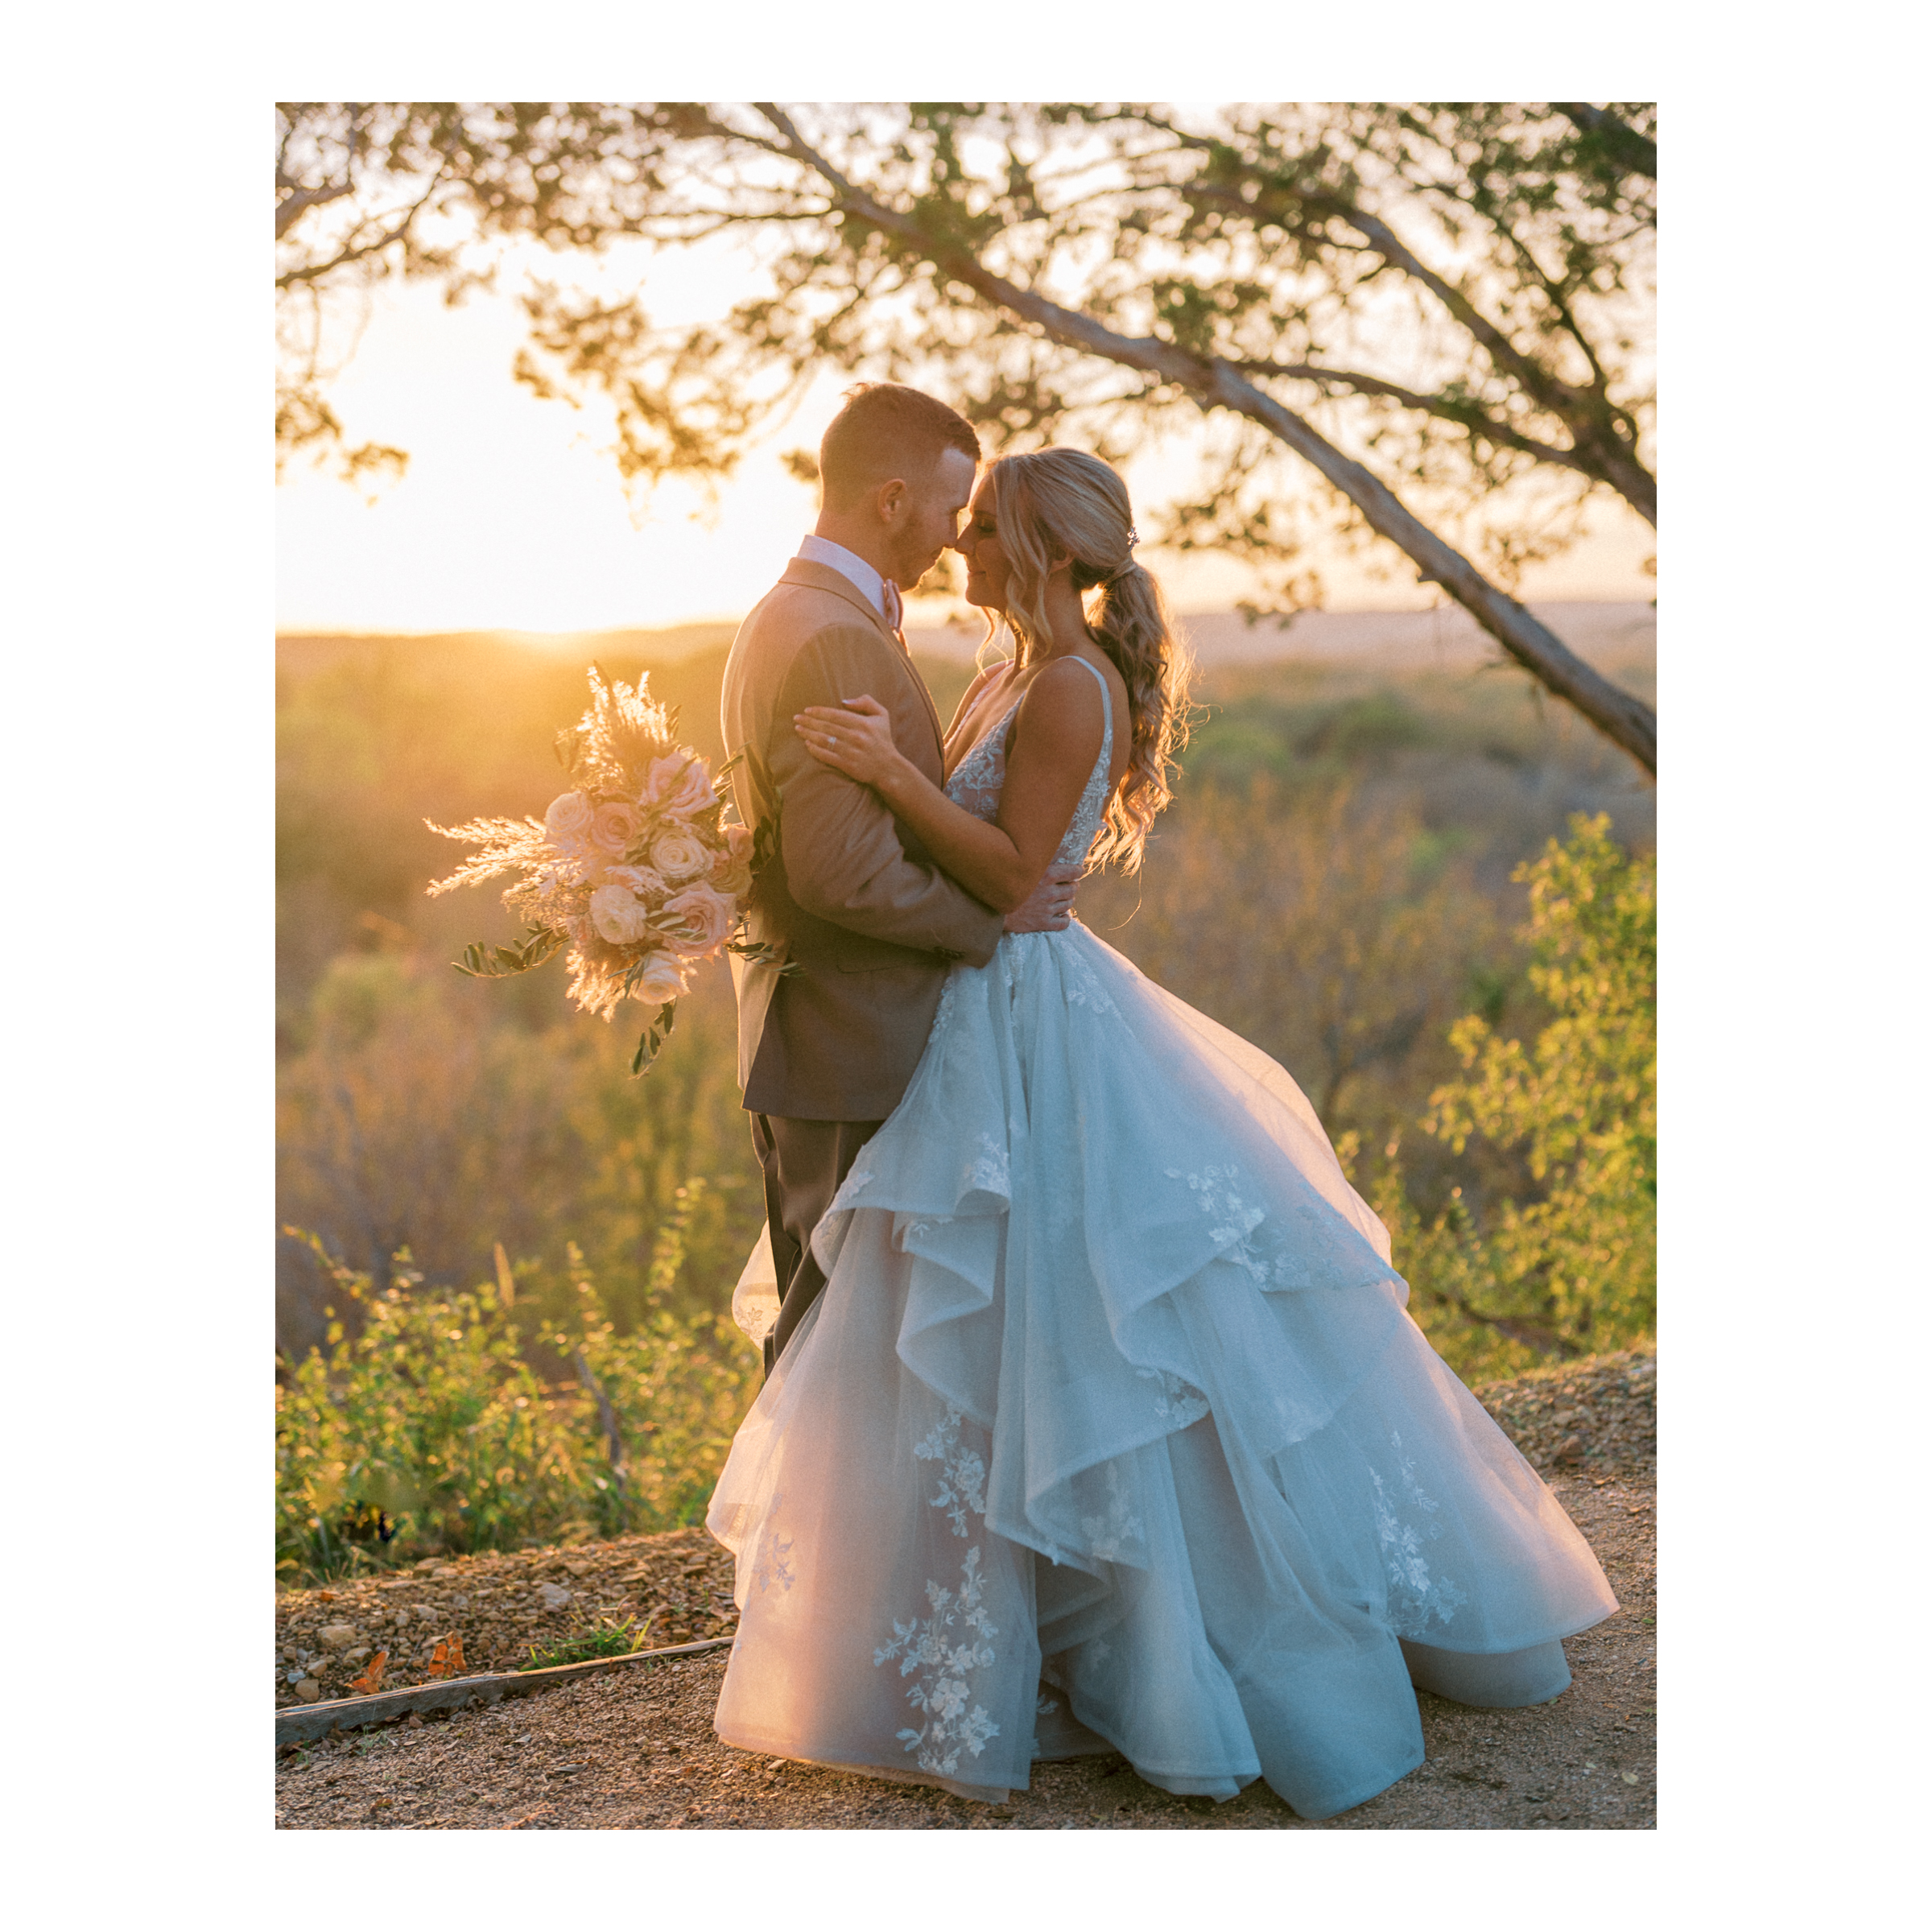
(855, 738)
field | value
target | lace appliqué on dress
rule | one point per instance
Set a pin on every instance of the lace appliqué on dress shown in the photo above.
(1176, 1402)
(962, 1472)
(978, 777)
(990, 1174)
(1083, 985)
(1213, 1190)
(771, 1561)
(949, 995)
(943, 1688)
(981, 776)
(1413, 1592)
(1116, 1530)
(855, 1182)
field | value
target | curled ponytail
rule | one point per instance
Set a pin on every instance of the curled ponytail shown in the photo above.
(1068, 502)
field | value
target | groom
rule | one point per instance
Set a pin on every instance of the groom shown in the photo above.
(849, 897)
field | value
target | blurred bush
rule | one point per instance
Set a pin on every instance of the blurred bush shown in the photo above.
(1337, 882)
(415, 1116)
(1340, 936)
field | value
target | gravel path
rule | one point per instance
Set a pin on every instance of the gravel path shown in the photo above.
(634, 1749)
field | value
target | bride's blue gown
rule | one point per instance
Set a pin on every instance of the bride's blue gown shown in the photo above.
(1109, 1429)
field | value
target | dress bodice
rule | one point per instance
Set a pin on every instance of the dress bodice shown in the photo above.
(980, 777)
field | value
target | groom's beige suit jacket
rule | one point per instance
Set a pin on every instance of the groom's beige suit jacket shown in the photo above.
(849, 895)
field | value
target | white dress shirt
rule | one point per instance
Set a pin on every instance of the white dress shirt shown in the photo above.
(816, 549)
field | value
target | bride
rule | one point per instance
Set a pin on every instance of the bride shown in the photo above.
(1109, 1429)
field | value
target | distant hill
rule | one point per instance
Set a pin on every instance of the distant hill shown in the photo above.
(1614, 636)
(1617, 637)
(304, 652)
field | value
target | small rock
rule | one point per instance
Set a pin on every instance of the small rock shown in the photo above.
(555, 1596)
(337, 1637)
(1569, 1449)
(413, 1721)
(309, 1691)
(357, 1655)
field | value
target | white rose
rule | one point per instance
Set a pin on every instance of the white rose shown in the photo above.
(617, 916)
(681, 855)
(662, 979)
(567, 823)
(706, 913)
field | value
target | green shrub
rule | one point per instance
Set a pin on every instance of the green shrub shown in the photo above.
(432, 1417)
(1568, 1264)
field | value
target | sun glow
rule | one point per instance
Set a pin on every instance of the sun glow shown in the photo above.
(511, 518)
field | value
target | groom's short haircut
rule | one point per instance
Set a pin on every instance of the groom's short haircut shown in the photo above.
(886, 430)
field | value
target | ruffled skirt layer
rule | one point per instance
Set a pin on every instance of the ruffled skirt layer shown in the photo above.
(1110, 1431)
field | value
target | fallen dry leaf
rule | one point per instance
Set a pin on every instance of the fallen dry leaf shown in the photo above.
(370, 1682)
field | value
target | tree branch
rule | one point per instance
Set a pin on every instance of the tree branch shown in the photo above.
(301, 200)
(1583, 412)
(1477, 421)
(315, 270)
(1635, 153)
(1550, 390)
(1562, 398)
(1621, 716)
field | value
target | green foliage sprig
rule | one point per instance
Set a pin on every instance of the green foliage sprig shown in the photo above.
(481, 962)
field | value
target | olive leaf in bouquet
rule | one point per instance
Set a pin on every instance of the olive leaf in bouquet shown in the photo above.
(634, 869)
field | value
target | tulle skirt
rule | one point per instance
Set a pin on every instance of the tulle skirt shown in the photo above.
(1110, 1431)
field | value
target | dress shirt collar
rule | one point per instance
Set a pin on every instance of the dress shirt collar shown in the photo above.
(816, 549)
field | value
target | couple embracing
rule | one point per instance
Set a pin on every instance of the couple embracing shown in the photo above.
(1093, 1418)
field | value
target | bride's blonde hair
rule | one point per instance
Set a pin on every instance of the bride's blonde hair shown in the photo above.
(1053, 502)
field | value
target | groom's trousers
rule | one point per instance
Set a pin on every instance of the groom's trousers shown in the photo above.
(805, 1162)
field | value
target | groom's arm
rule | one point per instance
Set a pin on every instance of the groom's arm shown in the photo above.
(843, 859)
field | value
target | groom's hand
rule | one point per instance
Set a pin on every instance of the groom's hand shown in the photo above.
(1050, 903)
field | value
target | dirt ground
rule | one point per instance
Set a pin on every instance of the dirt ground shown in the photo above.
(634, 1749)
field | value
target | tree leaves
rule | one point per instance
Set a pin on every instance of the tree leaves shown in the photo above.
(1450, 301)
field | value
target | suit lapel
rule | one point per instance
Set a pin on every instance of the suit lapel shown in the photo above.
(822, 577)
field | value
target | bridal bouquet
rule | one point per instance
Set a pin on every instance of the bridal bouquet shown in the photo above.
(633, 869)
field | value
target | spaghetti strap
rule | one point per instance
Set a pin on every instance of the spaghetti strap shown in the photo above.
(1106, 696)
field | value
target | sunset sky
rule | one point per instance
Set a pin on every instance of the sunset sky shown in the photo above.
(509, 518)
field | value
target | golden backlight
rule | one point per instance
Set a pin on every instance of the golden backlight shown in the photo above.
(510, 519)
